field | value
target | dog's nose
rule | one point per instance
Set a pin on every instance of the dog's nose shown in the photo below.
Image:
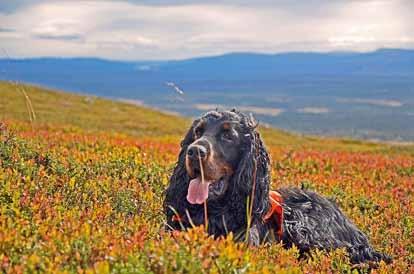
(194, 152)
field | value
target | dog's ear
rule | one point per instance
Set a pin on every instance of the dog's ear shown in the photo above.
(180, 173)
(175, 195)
(253, 170)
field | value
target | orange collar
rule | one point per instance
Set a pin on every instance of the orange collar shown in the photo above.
(275, 212)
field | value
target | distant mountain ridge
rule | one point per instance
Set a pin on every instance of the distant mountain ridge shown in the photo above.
(395, 61)
(384, 61)
(353, 89)
(83, 73)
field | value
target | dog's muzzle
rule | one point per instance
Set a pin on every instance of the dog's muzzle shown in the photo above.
(196, 152)
(200, 149)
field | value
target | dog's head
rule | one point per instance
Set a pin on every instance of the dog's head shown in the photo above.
(219, 142)
(222, 156)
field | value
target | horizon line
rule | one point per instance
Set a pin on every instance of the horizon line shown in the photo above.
(207, 56)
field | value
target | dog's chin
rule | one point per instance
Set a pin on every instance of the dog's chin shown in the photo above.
(218, 188)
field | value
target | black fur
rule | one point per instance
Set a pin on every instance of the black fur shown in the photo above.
(310, 220)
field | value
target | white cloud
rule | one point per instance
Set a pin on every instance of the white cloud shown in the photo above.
(57, 29)
(117, 41)
(184, 28)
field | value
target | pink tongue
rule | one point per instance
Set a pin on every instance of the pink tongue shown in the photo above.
(197, 191)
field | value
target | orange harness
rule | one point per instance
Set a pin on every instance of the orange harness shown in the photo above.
(275, 212)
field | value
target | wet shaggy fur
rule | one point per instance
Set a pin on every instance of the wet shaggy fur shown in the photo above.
(310, 220)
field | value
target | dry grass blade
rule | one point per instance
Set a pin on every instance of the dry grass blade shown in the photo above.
(202, 181)
(29, 106)
(190, 220)
(178, 215)
(250, 202)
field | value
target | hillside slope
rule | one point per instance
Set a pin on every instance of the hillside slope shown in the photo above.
(97, 114)
(87, 112)
(81, 194)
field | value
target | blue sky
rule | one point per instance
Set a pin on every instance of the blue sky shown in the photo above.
(176, 29)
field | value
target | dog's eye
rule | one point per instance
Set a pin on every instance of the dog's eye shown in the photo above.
(198, 132)
(227, 135)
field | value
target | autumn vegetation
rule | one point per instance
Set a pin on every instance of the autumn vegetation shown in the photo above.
(82, 182)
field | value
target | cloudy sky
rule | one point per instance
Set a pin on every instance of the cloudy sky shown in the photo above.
(176, 29)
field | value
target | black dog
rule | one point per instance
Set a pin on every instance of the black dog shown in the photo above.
(221, 163)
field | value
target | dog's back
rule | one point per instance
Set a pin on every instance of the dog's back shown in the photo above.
(312, 221)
